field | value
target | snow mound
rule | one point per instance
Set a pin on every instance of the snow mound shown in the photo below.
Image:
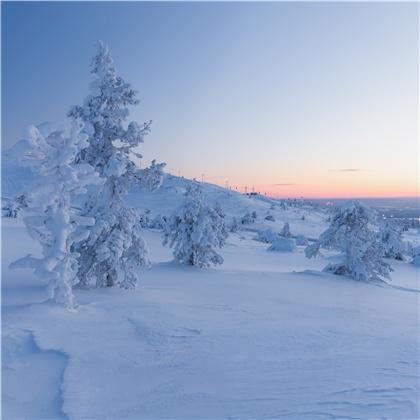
(282, 245)
(267, 236)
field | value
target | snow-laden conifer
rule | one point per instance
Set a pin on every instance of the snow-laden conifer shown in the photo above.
(415, 256)
(234, 225)
(267, 236)
(50, 217)
(352, 231)
(391, 237)
(115, 249)
(196, 230)
(285, 231)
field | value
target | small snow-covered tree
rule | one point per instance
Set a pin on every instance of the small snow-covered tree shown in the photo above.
(415, 256)
(285, 231)
(196, 230)
(391, 237)
(267, 236)
(158, 222)
(51, 218)
(115, 249)
(249, 217)
(234, 225)
(352, 232)
(145, 219)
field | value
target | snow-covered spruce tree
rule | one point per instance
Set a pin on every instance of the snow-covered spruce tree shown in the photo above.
(352, 232)
(115, 250)
(415, 256)
(145, 219)
(267, 236)
(249, 218)
(234, 225)
(51, 220)
(196, 230)
(391, 238)
(285, 231)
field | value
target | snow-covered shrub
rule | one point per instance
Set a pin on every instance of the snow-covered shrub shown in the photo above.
(391, 238)
(234, 225)
(352, 232)
(196, 230)
(247, 219)
(158, 222)
(415, 256)
(13, 207)
(281, 244)
(285, 231)
(145, 220)
(267, 236)
(301, 240)
(270, 218)
(51, 220)
(115, 250)
(303, 217)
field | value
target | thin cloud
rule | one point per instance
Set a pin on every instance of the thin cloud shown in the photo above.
(282, 185)
(348, 170)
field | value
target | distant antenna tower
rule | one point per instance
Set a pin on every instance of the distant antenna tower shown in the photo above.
(202, 178)
(246, 190)
(227, 184)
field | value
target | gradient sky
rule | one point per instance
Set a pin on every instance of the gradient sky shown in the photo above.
(295, 99)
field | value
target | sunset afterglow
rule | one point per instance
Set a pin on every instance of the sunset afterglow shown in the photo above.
(293, 99)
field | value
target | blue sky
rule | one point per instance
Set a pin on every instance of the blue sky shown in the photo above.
(286, 97)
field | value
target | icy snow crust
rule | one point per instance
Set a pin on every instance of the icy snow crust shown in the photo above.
(265, 335)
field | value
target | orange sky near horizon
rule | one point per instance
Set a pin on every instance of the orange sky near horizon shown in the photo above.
(335, 184)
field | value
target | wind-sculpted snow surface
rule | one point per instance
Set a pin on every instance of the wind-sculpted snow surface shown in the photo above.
(257, 337)
(37, 373)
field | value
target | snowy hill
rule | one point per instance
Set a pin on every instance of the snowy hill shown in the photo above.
(171, 195)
